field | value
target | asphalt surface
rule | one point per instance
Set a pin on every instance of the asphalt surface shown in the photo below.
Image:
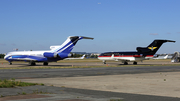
(73, 72)
(73, 94)
(68, 94)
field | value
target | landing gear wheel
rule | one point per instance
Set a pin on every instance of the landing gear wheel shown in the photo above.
(45, 63)
(32, 63)
(10, 63)
(104, 61)
(125, 63)
(134, 63)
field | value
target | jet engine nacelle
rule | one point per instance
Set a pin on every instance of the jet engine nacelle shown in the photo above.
(63, 55)
(50, 55)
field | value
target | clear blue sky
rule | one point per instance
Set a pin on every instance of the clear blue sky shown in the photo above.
(115, 25)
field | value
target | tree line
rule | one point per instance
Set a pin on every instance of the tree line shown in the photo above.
(2, 55)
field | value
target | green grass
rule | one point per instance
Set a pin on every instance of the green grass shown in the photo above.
(12, 83)
(40, 92)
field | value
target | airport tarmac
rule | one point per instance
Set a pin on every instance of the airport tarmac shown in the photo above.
(85, 62)
(133, 83)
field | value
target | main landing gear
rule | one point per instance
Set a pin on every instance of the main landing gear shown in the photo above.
(104, 61)
(32, 63)
(125, 63)
(45, 63)
(134, 63)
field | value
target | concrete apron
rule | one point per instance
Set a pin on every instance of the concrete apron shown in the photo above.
(159, 84)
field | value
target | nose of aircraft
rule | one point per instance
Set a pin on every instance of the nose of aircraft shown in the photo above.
(6, 57)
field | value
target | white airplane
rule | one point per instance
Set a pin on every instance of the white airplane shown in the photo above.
(142, 53)
(161, 57)
(75, 58)
(56, 53)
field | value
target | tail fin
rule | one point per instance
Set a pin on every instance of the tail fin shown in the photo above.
(82, 57)
(166, 57)
(153, 47)
(69, 44)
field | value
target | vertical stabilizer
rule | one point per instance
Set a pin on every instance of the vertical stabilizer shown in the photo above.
(153, 47)
(69, 44)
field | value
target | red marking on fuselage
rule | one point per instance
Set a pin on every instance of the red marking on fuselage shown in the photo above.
(129, 56)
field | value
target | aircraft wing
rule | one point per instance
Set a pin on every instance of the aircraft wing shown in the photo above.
(75, 58)
(121, 58)
(22, 58)
(116, 59)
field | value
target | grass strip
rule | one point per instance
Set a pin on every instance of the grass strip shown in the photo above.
(12, 83)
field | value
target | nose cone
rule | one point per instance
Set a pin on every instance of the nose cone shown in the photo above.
(6, 57)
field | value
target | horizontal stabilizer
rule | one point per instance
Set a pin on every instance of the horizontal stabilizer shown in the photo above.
(169, 41)
(81, 37)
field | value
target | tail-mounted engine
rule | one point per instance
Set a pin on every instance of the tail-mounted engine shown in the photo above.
(50, 55)
(55, 55)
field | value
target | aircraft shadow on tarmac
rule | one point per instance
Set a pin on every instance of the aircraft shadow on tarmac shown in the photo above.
(38, 65)
(130, 64)
(54, 65)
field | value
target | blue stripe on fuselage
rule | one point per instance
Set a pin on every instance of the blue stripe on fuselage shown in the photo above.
(19, 56)
(31, 58)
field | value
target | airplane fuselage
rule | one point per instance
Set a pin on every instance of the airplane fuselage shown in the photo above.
(142, 53)
(56, 53)
(124, 56)
(30, 56)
